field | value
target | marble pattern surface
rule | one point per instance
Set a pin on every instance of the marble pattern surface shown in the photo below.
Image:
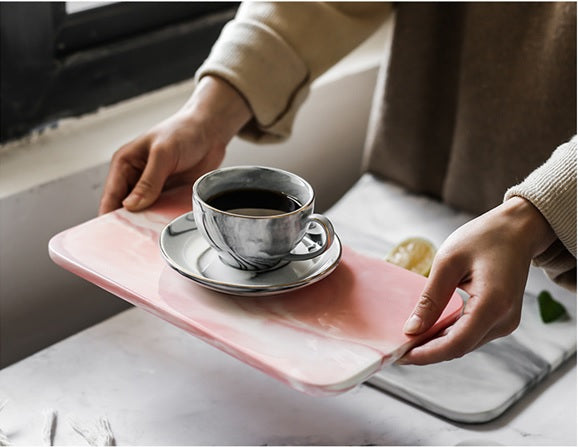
(186, 250)
(484, 384)
(160, 386)
(262, 241)
(323, 339)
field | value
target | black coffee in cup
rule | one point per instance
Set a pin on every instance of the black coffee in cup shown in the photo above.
(255, 216)
(254, 202)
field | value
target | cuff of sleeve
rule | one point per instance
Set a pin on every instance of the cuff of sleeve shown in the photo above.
(558, 264)
(552, 189)
(269, 88)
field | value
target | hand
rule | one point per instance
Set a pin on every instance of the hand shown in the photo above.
(178, 150)
(488, 257)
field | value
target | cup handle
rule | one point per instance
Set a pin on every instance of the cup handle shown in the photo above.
(327, 228)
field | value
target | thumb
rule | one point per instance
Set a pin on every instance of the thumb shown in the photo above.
(150, 184)
(440, 286)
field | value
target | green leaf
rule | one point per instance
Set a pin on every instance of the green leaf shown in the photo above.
(550, 309)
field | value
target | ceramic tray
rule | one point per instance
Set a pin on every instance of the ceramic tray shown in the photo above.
(322, 339)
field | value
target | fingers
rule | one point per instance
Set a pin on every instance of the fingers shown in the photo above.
(485, 259)
(122, 175)
(136, 176)
(175, 147)
(462, 337)
(150, 184)
(444, 278)
(485, 318)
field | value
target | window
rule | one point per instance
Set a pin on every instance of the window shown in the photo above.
(60, 60)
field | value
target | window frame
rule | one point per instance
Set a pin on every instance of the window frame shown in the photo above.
(55, 65)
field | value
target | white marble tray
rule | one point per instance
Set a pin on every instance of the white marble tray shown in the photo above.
(484, 384)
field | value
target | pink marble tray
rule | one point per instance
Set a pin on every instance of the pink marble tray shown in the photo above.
(323, 339)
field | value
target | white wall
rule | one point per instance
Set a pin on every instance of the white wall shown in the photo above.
(53, 181)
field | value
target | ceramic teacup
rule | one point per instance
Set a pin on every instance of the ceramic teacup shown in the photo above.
(255, 216)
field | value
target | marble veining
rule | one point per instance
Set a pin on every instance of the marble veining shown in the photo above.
(159, 386)
(476, 388)
(322, 339)
(187, 251)
(483, 384)
(257, 242)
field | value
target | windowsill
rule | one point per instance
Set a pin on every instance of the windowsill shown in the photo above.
(77, 144)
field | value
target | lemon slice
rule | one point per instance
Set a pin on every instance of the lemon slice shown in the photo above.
(415, 254)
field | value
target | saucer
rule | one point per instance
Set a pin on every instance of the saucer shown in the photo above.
(186, 251)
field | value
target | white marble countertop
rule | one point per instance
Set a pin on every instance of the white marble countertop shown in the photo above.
(157, 385)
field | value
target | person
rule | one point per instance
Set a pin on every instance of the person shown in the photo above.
(473, 100)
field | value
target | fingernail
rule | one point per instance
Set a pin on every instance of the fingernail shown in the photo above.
(133, 201)
(401, 361)
(412, 325)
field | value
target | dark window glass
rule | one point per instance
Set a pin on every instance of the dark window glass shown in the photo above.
(55, 64)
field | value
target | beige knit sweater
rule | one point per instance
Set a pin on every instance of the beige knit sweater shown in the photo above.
(477, 97)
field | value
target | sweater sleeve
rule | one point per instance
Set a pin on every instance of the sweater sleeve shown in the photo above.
(552, 189)
(272, 52)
